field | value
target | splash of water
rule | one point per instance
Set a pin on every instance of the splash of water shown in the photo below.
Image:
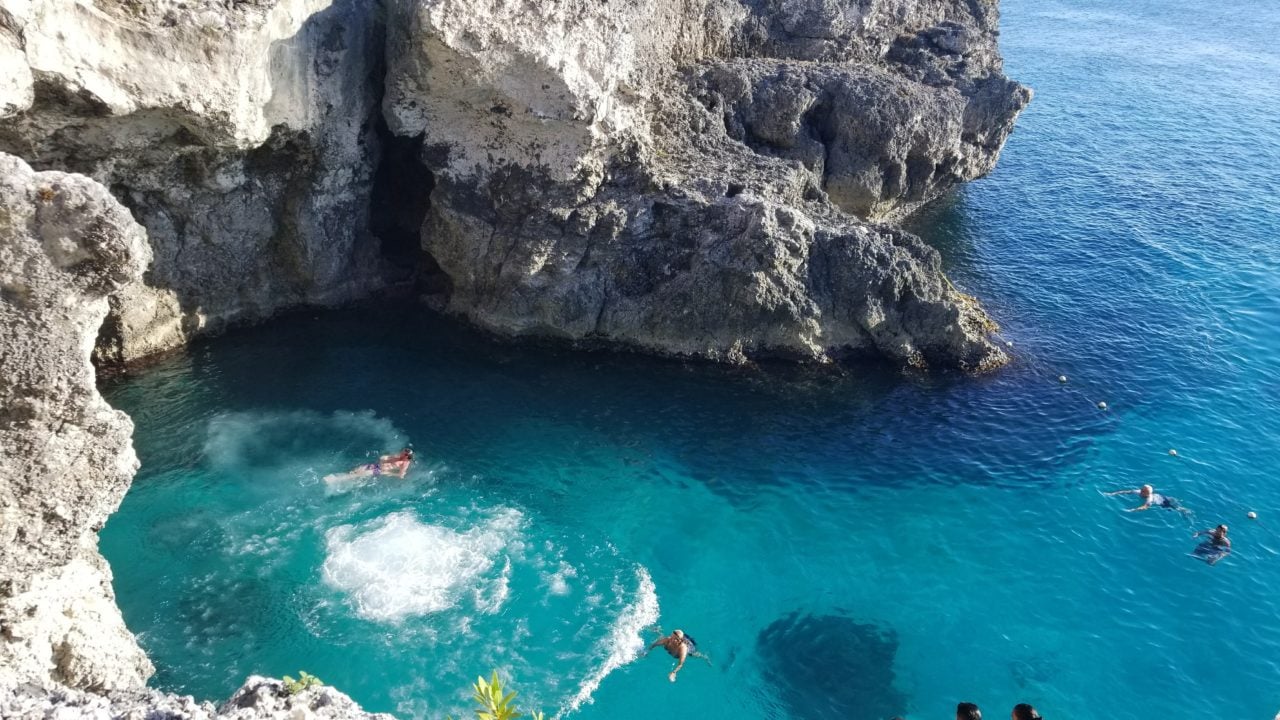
(624, 642)
(398, 566)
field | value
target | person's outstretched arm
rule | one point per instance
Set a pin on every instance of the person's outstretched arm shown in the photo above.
(1144, 506)
(1122, 492)
(684, 653)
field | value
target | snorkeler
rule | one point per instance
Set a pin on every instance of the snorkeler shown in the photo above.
(1150, 499)
(680, 646)
(1216, 547)
(393, 465)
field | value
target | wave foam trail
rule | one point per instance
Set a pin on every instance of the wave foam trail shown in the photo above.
(624, 642)
(240, 440)
(398, 566)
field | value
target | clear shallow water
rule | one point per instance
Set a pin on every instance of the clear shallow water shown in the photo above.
(915, 540)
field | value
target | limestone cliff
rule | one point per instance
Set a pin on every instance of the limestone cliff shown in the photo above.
(66, 457)
(702, 178)
(241, 135)
(584, 161)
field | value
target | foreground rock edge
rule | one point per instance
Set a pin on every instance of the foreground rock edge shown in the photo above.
(259, 698)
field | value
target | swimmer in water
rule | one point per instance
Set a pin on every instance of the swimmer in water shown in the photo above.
(1150, 499)
(680, 646)
(391, 465)
(1216, 547)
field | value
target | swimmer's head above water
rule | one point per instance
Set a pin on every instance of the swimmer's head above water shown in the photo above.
(1146, 490)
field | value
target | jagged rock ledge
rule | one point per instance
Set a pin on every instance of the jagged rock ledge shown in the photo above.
(701, 178)
(258, 699)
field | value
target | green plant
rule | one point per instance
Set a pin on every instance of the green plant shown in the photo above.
(305, 680)
(494, 703)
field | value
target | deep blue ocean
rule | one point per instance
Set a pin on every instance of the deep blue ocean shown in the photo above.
(850, 543)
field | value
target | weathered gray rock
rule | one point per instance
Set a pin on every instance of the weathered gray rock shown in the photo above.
(258, 699)
(604, 174)
(241, 135)
(879, 143)
(65, 455)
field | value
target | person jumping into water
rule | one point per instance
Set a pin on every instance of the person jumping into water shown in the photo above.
(1216, 547)
(680, 646)
(1150, 499)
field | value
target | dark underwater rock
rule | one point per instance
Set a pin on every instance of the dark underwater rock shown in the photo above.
(831, 667)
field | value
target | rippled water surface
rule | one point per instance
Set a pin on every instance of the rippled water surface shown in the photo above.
(843, 544)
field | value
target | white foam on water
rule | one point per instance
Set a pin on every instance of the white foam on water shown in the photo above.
(398, 566)
(558, 581)
(624, 642)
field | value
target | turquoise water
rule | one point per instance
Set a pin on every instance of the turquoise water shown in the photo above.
(843, 544)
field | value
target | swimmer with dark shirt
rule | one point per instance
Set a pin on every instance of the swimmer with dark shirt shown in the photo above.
(1150, 499)
(680, 647)
(1216, 547)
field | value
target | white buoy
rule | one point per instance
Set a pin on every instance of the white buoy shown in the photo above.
(1102, 405)
(1173, 452)
(1008, 343)
(1062, 378)
(1252, 515)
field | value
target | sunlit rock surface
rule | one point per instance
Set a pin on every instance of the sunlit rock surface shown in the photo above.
(697, 178)
(66, 457)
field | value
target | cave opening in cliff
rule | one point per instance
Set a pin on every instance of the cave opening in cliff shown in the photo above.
(400, 201)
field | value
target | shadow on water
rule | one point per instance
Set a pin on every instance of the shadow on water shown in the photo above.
(946, 226)
(831, 667)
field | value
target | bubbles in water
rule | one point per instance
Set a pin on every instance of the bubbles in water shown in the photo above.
(558, 582)
(398, 566)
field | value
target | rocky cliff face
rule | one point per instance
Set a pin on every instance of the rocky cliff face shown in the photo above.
(241, 135)
(702, 178)
(65, 456)
(607, 172)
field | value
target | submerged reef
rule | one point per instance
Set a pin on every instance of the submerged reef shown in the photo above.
(831, 667)
(709, 178)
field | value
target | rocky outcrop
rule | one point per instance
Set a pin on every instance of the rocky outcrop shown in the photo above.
(702, 178)
(66, 460)
(65, 456)
(567, 148)
(259, 699)
(241, 135)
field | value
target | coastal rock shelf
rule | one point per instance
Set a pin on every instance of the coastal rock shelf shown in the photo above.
(608, 173)
(706, 178)
(702, 179)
